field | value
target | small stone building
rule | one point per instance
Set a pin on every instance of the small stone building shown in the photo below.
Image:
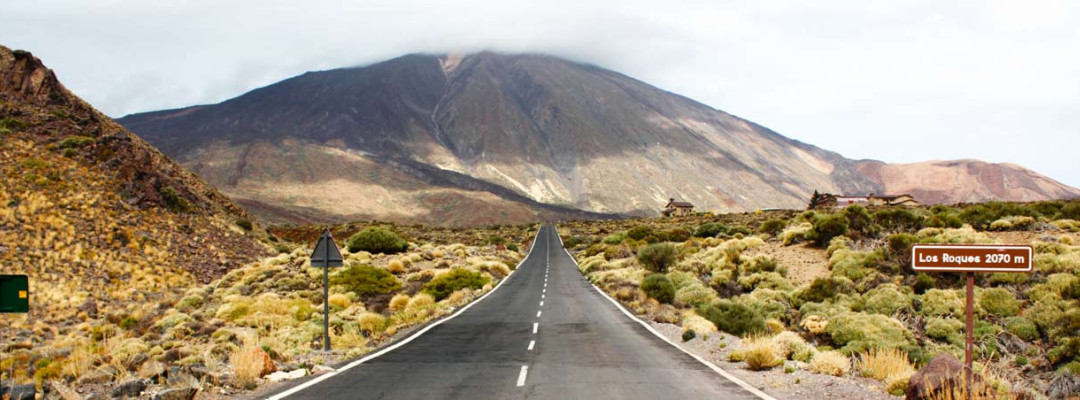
(677, 209)
(828, 200)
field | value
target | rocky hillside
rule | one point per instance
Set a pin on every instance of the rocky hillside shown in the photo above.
(98, 219)
(548, 129)
(964, 181)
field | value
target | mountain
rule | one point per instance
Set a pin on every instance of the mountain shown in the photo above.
(348, 142)
(964, 181)
(95, 215)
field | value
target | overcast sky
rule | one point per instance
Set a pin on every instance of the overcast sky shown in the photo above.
(897, 81)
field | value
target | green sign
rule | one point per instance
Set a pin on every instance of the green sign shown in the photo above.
(14, 294)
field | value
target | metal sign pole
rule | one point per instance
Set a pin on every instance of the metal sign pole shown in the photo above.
(970, 340)
(326, 298)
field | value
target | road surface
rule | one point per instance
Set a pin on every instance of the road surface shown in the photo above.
(545, 333)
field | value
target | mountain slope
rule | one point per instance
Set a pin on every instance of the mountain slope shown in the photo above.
(549, 129)
(964, 181)
(95, 216)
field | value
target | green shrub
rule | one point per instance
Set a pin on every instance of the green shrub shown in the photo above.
(688, 335)
(377, 240)
(761, 263)
(822, 289)
(773, 226)
(859, 220)
(900, 247)
(1071, 211)
(456, 279)
(828, 227)
(659, 287)
(129, 322)
(854, 265)
(942, 302)
(75, 142)
(734, 318)
(695, 295)
(886, 300)
(924, 282)
(190, 303)
(656, 257)
(245, 224)
(858, 332)
(898, 219)
(615, 238)
(677, 235)
(710, 229)
(999, 302)
(365, 280)
(640, 232)
(738, 230)
(1048, 209)
(1022, 327)
(512, 247)
(945, 329)
(174, 200)
(765, 280)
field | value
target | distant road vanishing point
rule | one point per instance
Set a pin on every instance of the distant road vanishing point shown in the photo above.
(544, 333)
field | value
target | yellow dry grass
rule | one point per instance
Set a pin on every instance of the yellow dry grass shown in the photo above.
(830, 362)
(884, 365)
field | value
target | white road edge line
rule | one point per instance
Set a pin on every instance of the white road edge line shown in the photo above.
(328, 375)
(536, 325)
(531, 344)
(521, 376)
(750, 388)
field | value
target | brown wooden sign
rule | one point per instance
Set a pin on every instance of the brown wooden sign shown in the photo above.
(971, 258)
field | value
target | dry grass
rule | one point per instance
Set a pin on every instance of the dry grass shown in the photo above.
(399, 302)
(761, 353)
(884, 365)
(247, 363)
(830, 363)
(396, 266)
(339, 300)
(701, 326)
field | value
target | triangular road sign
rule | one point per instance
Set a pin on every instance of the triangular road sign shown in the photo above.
(326, 252)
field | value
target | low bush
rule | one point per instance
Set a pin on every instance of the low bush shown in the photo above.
(945, 329)
(773, 226)
(245, 224)
(376, 240)
(857, 332)
(710, 229)
(941, 302)
(174, 201)
(827, 227)
(999, 302)
(659, 287)
(1071, 211)
(830, 363)
(898, 219)
(365, 280)
(1022, 327)
(822, 289)
(886, 300)
(399, 302)
(657, 257)
(924, 282)
(615, 238)
(640, 232)
(74, 142)
(456, 279)
(676, 235)
(695, 295)
(734, 318)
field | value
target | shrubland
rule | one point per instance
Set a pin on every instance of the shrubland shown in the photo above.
(860, 300)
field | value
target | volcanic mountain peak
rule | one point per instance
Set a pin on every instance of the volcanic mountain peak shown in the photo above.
(552, 130)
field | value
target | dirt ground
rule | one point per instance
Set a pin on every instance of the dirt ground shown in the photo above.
(804, 263)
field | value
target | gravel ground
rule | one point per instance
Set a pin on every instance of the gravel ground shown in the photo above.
(801, 384)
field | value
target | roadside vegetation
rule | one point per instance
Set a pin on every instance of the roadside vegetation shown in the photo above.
(851, 306)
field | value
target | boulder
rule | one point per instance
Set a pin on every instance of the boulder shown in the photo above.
(944, 372)
(60, 390)
(18, 392)
(176, 394)
(130, 388)
(90, 308)
(267, 363)
(318, 369)
(285, 376)
(153, 370)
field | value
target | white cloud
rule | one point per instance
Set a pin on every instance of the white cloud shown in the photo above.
(899, 81)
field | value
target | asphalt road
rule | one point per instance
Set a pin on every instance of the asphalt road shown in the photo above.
(544, 334)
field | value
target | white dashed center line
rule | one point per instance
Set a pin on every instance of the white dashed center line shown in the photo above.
(538, 314)
(532, 343)
(541, 303)
(521, 376)
(536, 325)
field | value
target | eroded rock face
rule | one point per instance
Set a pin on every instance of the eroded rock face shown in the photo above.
(24, 75)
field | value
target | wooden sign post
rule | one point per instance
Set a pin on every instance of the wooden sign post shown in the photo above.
(970, 259)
